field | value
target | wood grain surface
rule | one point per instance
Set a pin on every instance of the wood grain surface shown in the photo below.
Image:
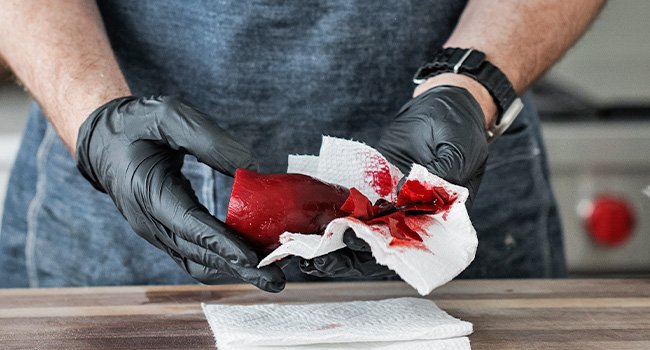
(507, 314)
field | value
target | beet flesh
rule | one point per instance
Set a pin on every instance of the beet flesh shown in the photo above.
(263, 206)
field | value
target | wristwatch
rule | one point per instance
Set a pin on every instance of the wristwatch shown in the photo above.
(472, 63)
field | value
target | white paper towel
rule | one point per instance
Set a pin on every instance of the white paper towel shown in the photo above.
(402, 323)
(449, 237)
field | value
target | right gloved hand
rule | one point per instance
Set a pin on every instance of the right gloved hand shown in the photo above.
(133, 149)
(355, 260)
(442, 129)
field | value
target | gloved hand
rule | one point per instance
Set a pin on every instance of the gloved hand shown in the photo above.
(442, 129)
(353, 261)
(133, 149)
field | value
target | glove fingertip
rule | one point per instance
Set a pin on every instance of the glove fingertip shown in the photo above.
(272, 279)
(250, 164)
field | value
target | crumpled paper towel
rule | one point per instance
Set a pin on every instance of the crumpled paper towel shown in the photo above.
(402, 323)
(449, 237)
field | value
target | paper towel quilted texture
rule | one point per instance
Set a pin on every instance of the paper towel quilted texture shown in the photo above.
(402, 323)
(350, 164)
(449, 237)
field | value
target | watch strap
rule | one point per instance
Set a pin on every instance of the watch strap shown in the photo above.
(472, 63)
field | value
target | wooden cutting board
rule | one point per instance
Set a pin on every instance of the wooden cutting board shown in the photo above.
(507, 314)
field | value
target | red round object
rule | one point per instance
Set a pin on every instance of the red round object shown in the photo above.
(611, 220)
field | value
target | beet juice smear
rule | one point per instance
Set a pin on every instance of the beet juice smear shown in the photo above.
(379, 177)
(402, 219)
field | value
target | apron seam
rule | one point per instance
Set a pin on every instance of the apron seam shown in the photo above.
(542, 221)
(207, 188)
(36, 205)
(506, 159)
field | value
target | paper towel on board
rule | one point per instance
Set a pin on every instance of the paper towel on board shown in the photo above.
(449, 237)
(402, 323)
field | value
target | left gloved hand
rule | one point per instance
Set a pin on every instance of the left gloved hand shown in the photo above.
(133, 148)
(442, 129)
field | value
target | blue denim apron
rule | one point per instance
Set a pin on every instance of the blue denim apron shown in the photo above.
(277, 75)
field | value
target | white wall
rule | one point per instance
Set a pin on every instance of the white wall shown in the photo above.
(9, 146)
(13, 111)
(611, 62)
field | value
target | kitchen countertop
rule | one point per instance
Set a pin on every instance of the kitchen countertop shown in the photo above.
(507, 314)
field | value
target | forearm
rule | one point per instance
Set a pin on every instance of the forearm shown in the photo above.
(60, 52)
(521, 37)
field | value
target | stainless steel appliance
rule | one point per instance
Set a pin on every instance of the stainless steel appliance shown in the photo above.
(600, 171)
(600, 175)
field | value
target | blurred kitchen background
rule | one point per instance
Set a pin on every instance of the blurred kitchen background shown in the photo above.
(595, 108)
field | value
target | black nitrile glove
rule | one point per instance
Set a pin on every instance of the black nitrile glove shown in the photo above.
(442, 129)
(133, 149)
(353, 261)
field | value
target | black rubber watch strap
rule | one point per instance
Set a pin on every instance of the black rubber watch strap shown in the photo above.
(472, 63)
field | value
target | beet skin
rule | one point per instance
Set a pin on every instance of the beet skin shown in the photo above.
(263, 206)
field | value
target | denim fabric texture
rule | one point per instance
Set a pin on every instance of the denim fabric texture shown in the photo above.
(277, 75)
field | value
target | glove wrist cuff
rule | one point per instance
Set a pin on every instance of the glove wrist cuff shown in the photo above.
(84, 136)
(474, 64)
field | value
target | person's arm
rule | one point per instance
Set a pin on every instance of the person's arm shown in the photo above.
(524, 38)
(443, 127)
(131, 148)
(60, 52)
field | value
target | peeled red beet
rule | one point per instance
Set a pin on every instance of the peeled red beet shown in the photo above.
(263, 206)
